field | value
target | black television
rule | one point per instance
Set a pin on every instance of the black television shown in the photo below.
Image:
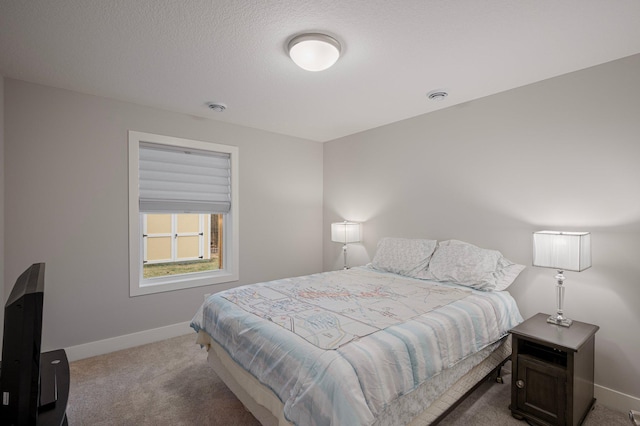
(20, 369)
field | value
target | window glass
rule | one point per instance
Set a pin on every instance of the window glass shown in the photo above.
(177, 244)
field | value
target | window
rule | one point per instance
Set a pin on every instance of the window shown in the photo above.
(183, 213)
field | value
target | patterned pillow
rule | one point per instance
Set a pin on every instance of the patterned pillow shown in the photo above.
(402, 256)
(465, 264)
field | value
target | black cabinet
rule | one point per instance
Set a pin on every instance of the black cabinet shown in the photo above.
(552, 380)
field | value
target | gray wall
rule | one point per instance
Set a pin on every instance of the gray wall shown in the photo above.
(563, 154)
(2, 292)
(66, 204)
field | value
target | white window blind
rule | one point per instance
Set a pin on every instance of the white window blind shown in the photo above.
(180, 180)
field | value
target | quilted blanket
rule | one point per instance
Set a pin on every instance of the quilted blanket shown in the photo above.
(356, 380)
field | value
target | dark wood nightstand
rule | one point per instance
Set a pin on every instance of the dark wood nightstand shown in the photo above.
(552, 379)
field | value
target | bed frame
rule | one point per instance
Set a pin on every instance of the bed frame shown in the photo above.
(267, 408)
(493, 375)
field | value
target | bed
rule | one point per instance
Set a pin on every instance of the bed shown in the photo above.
(396, 342)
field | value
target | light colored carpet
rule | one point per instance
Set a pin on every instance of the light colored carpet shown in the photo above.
(163, 383)
(170, 383)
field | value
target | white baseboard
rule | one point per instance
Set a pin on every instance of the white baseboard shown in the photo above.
(615, 400)
(113, 344)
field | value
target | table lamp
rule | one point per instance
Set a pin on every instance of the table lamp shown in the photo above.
(345, 233)
(563, 251)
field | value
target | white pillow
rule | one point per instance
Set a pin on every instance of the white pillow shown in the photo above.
(408, 257)
(507, 275)
(465, 264)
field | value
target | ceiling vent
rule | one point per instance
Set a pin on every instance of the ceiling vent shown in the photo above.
(437, 95)
(216, 106)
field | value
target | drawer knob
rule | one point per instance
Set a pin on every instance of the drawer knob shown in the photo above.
(519, 384)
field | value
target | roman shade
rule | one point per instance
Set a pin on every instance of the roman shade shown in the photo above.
(183, 180)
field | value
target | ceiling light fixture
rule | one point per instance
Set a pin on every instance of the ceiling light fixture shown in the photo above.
(314, 52)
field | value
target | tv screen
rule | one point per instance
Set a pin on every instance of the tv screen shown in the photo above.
(20, 371)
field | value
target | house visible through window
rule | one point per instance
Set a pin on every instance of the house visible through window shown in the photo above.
(183, 213)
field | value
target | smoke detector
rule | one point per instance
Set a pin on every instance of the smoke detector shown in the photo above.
(437, 95)
(217, 107)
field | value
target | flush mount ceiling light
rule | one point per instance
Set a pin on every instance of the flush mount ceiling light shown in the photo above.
(314, 52)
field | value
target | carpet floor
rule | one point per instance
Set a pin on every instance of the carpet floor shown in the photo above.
(170, 383)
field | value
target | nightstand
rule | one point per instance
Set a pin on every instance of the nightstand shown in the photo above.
(552, 379)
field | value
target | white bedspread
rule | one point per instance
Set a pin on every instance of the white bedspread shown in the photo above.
(353, 383)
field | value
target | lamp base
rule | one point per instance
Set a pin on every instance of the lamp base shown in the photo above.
(559, 320)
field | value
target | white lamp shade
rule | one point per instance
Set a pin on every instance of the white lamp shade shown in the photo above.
(564, 251)
(314, 52)
(346, 232)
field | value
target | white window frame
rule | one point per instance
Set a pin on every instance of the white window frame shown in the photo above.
(230, 246)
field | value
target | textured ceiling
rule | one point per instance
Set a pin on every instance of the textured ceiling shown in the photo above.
(179, 54)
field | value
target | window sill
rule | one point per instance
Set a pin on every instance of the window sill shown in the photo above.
(180, 282)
